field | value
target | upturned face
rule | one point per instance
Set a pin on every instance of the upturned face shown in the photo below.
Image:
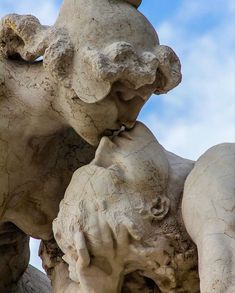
(138, 156)
(128, 176)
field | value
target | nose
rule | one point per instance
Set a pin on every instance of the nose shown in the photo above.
(128, 108)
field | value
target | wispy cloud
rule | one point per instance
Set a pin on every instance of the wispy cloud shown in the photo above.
(201, 111)
(45, 10)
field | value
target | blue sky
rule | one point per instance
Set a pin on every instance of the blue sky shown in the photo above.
(201, 111)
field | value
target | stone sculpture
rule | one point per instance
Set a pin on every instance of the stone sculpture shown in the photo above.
(120, 227)
(121, 215)
(208, 210)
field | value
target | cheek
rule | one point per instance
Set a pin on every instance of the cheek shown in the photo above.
(99, 114)
(128, 110)
(105, 113)
(90, 121)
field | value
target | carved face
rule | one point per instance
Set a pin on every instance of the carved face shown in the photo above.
(106, 61)
(94, 120)
(123, 186)
(138, 156)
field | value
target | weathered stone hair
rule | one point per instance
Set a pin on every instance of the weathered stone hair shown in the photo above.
(22, 36)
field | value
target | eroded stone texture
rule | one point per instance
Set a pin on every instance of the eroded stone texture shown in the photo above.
(209, 216)
(119, 227)
(108, 55)
(39, 176)
(32, 281)
(121, 216)
(98, 70)
(14, 255)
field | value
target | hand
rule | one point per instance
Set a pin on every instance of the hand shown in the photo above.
(100, 268)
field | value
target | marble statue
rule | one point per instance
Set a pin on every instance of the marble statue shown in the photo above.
(121, 216)
(208, 210)
(128, 216)
(94, 78)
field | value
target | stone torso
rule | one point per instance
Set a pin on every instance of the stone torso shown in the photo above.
(35, 176)
(38, 154)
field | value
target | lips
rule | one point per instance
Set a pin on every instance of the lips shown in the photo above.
(109, 132)
(114, 132)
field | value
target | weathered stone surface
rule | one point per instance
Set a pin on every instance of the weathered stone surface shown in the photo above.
(121, 215)
(107, 53)
(121, 224)
(98, 70)
(209, 216)
(14, 255)
(33, 281)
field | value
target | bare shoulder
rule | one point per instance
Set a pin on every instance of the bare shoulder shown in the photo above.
(209, 195)
(217, 166)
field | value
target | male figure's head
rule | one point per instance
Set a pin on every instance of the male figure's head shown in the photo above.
(123, 188)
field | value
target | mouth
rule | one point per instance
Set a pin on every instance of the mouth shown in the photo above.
(119, 131)
(113, 132)
(122, 132)
(109, 132)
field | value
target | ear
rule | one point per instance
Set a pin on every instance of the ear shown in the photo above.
(160, 208)
(135, 3)
(22, 35)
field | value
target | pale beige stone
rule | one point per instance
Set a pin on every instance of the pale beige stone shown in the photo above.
(98, 70)
(121, 216)
(107, 55)
(209, 215)
(120, 227)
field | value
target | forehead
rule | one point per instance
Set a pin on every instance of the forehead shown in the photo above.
(92, 180)
(138, 159)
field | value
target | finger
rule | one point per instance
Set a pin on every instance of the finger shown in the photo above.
(122, 235)
(132, 230)
(108, 238)
(142, 251)
(94, 234)
(81, 247)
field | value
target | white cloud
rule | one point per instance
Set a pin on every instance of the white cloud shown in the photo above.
(191, 10)
(231, 5)
(201, 111)
(45, 10)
